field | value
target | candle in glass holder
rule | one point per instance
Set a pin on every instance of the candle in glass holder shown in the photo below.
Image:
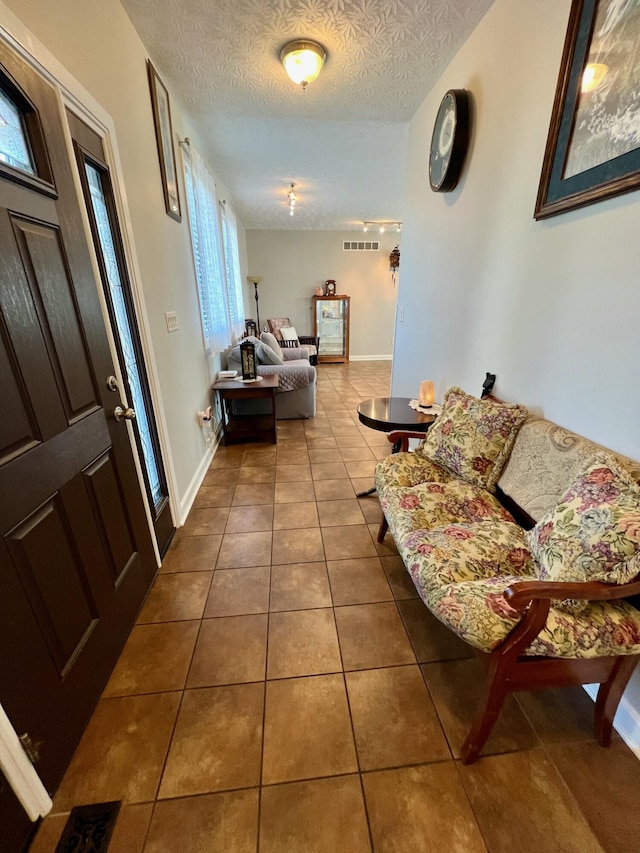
(426, 397)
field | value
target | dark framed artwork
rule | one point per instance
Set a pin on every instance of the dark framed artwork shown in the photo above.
(164, 139)
(593, 146)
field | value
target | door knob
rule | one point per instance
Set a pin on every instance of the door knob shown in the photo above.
(121, 414)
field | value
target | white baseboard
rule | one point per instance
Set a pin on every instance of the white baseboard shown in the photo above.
(370, 357)
(626, 722)
(196, 481)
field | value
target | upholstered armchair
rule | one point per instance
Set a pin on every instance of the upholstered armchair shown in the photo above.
(306, 342)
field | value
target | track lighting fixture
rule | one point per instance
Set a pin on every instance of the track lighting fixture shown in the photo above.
(382, 226)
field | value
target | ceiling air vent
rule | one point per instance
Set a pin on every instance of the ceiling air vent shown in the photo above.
(361, 246)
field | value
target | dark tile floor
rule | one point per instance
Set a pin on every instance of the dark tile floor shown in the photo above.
(285, 691)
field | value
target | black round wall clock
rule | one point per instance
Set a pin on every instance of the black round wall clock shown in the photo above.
(449, 141)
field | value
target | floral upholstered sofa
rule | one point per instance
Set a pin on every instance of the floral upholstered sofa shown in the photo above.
(524, 539)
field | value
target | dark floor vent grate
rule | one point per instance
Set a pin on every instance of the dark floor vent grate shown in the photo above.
(89, 828)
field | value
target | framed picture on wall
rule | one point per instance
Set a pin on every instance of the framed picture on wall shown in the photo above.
(593, 146)
(164, 140)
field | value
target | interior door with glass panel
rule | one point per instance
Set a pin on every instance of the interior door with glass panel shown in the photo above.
(99, 200)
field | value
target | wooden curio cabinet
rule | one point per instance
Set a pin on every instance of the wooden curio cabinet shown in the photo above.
(331, 325)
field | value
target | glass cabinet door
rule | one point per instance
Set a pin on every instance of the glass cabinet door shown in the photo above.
(331, 319)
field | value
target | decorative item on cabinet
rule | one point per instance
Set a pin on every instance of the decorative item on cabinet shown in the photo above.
(329, 287)
(331, 317)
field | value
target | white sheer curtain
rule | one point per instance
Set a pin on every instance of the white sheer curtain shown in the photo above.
(207, 253)
(232, 264)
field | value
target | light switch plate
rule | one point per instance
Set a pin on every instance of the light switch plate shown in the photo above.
(172, 321)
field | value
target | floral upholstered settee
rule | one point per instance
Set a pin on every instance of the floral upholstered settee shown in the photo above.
(524, 539)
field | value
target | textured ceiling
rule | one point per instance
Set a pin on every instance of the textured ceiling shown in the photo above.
(343, 140)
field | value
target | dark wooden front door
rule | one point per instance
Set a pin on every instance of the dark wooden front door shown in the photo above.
(76, 557)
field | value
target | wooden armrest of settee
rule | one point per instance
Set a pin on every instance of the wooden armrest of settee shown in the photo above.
(403, 437)
(520, 594)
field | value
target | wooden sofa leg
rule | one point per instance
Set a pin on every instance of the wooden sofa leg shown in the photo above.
(487, 713)
(382, 530)
(609, 696)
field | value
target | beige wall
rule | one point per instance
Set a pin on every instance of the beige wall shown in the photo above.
(551, 307)
(97, 44)
(293, 263)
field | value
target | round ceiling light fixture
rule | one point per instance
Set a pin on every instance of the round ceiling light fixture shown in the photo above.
(303, 60)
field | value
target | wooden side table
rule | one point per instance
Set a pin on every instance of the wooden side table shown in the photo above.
(238, 427)
(393, 413)
(388, 414)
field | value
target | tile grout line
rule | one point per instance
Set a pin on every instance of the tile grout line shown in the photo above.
(264, 698)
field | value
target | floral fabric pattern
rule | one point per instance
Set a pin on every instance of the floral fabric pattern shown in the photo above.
(602, 628)
(594, 532)
(465, 552)
(478, 613)
(472, 438)
(408, 469)
(432, 505)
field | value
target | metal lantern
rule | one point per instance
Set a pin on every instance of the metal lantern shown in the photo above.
(248, 358)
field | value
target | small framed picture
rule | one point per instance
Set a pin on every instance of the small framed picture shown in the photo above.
(164, 140)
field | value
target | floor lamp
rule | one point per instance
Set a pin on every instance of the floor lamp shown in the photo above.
(255, 281)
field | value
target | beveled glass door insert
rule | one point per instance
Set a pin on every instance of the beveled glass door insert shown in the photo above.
(123, 322)
(101, 208)
(15, 150)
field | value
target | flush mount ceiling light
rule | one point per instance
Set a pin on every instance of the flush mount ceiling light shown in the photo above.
(303, 60)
